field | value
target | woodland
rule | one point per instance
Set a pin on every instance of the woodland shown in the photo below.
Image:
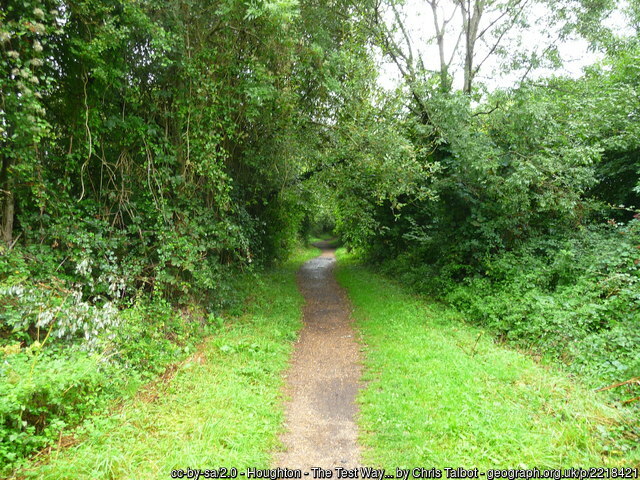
(156, 153)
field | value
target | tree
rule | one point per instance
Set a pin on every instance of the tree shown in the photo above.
(23, 82)
(470, 34)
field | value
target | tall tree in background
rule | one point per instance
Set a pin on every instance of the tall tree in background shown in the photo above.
(471, 34)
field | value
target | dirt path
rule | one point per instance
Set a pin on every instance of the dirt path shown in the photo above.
(322, 381)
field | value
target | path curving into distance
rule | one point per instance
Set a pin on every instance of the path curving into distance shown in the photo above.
(323, 379)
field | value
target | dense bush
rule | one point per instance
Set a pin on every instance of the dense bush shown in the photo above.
(515, 217)
(76, 335)
(59, 373)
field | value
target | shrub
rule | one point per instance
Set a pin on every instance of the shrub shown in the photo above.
(41, 392)
(573, 297)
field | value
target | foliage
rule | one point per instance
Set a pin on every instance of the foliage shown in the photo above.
(441, 392)
(173, 139)
(154, 151)
(574, 298)
(525, 213)
(225, 397)
(151, 152)
(51, 386)
(41, 393)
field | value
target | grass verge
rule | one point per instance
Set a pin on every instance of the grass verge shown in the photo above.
(222, 407)
(441, 393)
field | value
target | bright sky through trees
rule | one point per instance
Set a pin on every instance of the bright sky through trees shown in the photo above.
(574, 52)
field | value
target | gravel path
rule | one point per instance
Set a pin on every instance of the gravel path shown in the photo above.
(323, 379)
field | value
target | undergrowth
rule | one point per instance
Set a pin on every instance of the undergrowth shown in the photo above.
(66, 356)
(442, 393)
(222, 406)
(573, 299)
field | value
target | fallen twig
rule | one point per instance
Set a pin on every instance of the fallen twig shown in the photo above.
(632, 380)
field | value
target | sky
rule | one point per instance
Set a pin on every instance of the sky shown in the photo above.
(574, 52)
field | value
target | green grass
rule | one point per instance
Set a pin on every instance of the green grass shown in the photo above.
(442, 393)
(223, 407)
(321, 236)
(332, 241)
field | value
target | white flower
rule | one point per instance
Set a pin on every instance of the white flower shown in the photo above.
(5, 36)
(39, 13)
(13, 54)
(37, 46)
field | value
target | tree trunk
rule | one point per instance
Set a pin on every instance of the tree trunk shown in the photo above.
(440, 31)
(471, 16)
(7, 218)
(8, 203)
